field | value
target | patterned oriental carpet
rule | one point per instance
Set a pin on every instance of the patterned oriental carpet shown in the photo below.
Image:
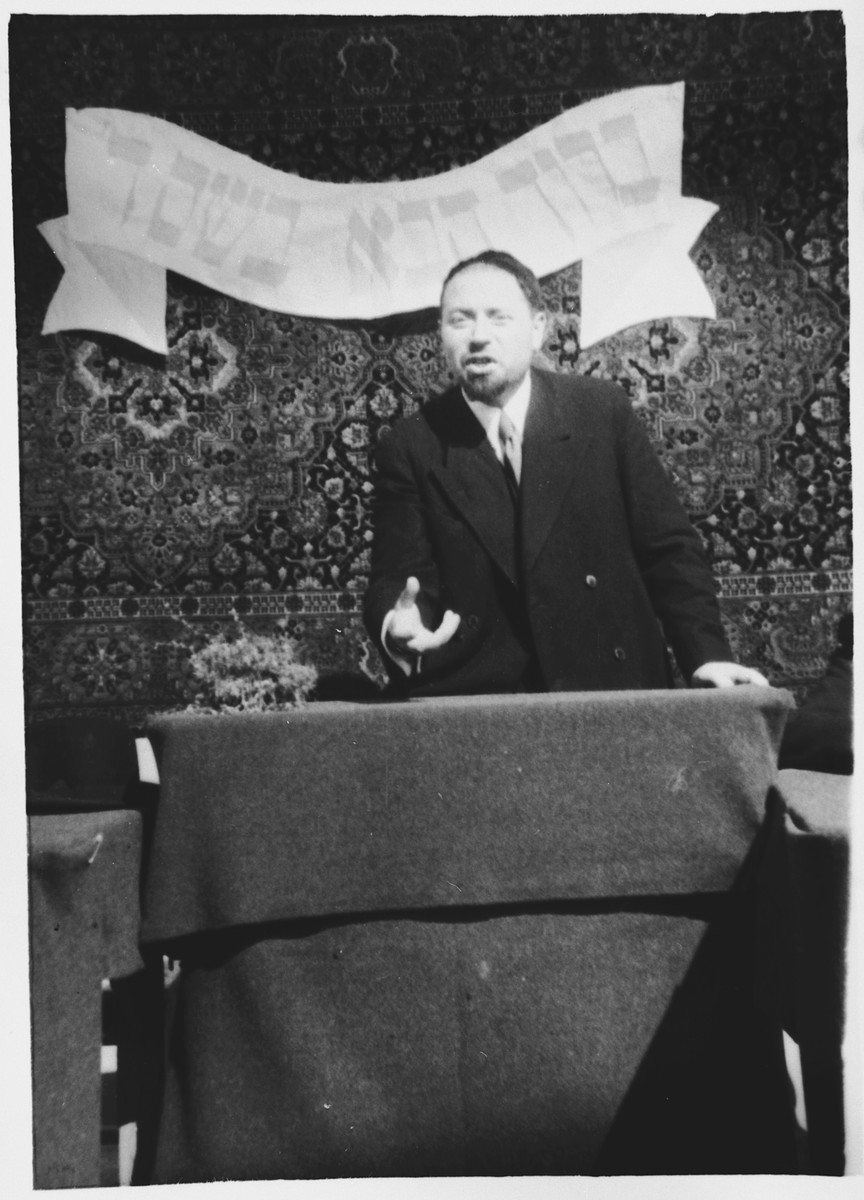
(159, 496)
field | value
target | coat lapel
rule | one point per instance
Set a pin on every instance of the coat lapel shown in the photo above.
(473, 481)
(554, 456)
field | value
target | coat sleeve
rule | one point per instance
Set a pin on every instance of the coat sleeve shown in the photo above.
(400, 537)
(669, 552)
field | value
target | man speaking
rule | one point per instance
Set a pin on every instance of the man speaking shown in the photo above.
(526, 536)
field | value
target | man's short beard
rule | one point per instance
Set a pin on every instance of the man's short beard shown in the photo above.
(484, 388)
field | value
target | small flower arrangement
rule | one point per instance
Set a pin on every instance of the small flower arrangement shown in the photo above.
(243, 671)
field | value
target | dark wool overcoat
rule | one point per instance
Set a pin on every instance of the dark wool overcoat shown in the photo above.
(582, 583)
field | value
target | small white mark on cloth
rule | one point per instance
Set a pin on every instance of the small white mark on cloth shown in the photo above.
(678, 780)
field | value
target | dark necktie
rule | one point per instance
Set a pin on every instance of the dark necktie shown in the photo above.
(511, 449)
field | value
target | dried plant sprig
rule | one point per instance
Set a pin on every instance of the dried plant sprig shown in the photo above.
(244, 671)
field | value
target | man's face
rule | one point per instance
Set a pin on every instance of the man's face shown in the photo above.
(489, 331)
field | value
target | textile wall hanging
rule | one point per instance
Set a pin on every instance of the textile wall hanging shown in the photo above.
(161, 494)
(600, 184)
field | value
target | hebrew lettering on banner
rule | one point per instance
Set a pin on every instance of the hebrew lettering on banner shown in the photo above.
(601, 184)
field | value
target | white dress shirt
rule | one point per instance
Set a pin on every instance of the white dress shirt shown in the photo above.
(489, 415)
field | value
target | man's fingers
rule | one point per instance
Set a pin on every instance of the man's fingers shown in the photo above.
(754, 676)
(449, 624)
(409, 593)
(444, 632)
(727, 674)
(428, 639)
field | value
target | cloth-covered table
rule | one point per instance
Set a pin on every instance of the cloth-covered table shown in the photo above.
(483, 935)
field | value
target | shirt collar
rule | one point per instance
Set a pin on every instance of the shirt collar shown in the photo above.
(517, 410)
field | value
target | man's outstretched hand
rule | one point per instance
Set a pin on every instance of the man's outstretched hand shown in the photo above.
(405, 629)
(726, 674)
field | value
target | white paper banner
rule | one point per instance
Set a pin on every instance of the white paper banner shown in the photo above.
(601, 183)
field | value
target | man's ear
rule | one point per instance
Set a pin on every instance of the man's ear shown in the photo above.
(539, 329)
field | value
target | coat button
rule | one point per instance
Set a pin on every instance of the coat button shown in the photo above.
(590, 580)
(472, 621)
(620, 653)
